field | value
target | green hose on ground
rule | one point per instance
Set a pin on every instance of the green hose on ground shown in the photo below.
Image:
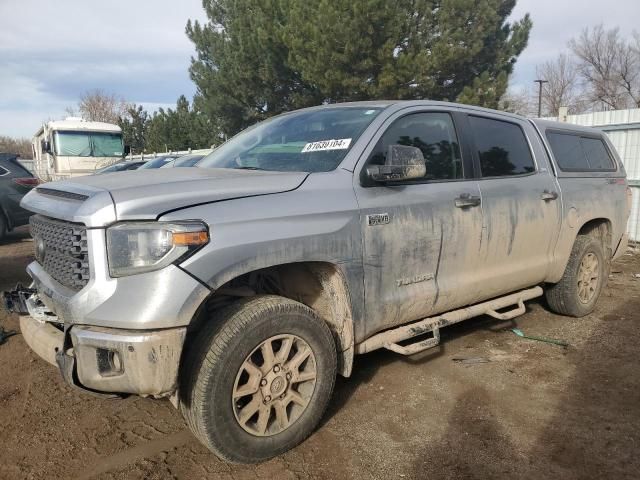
(520, 333)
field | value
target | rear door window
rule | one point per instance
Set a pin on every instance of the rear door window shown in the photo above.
(575, 153)
(16, 167)
(502, 147)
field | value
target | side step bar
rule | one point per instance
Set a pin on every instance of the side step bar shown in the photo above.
(390, 339)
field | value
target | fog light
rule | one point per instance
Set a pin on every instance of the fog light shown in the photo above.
(116, 363)
(109, 362)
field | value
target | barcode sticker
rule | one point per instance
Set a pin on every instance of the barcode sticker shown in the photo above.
(323, 145)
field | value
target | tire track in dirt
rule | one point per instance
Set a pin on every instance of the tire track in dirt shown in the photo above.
(131, 455)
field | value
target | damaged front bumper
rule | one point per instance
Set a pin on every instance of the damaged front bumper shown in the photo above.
(98, 359)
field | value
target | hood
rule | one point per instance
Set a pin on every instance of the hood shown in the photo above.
(146, 194)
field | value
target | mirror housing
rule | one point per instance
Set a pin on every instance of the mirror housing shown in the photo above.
(403, 163)
(46, 146)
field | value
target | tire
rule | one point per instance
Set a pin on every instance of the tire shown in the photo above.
(215, 371)
(567, 297)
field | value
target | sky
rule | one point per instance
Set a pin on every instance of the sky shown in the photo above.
(51, 52)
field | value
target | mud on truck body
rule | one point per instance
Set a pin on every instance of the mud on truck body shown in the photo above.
(240, 289)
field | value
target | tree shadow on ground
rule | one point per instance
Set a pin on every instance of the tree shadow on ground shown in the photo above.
(366, 366)
(594, 433)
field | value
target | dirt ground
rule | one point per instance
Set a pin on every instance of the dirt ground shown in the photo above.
(535, 410)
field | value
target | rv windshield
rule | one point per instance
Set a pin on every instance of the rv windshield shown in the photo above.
(88, 144)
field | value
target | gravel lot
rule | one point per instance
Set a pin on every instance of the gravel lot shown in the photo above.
(535, 410)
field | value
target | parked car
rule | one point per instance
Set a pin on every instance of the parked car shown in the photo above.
(158, 162)
(239, 288)
(120, 167)
(185, 161)
(15, 182)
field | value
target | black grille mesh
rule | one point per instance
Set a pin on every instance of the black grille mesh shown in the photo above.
(61, 249)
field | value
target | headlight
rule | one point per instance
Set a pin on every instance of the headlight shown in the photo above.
(138, 247)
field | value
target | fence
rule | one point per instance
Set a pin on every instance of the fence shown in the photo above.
(149, 156)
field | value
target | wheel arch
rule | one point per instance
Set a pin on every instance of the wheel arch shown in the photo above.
(598, 227)
(322, 286)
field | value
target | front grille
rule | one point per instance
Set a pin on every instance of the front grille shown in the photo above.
(61, 249)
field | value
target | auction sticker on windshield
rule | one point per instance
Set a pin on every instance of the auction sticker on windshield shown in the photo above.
(333, 144)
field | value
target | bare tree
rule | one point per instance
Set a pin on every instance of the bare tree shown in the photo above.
(518, 101)
(563, 87)
(20, 146)
(610, 66)
(99, 106)
(629, 68)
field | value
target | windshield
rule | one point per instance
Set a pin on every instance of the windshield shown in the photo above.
(113, 168)
(119, 167)
(305, 141)
(157, 162)
(185, 161)
(88, 144)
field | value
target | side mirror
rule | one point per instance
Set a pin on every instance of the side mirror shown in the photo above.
(46, 146)
(403, 163)
(127, 150)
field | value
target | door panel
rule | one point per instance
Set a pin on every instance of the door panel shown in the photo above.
(420, 239)
(520, 205)
(519, 233)
(423, 260)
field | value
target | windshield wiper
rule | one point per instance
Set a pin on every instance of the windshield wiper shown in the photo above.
(249, 168)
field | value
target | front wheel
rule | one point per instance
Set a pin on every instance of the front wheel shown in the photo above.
(258, 378)
(578, 291)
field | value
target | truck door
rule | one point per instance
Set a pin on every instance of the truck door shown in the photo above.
(520, 204)
(421, 237)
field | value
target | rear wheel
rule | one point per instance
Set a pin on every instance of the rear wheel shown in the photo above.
(578, 291)
(258, 378)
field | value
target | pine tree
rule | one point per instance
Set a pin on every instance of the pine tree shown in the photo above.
(258, 58)
(134, 127)
(241, 69)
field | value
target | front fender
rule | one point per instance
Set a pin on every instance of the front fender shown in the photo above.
(319, 222)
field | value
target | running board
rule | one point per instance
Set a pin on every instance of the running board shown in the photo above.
(390, 339)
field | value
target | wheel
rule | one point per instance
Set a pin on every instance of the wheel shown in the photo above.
(578, 291)
(258, 379)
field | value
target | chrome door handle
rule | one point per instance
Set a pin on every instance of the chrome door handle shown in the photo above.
(547, 195)
(466, 200)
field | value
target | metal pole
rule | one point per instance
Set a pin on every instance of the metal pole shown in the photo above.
(540, 82)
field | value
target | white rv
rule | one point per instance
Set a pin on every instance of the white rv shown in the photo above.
(74, 147)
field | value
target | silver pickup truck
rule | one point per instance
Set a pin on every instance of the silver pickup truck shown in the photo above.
(241, 288)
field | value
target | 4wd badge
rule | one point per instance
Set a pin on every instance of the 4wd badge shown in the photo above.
(378, 219)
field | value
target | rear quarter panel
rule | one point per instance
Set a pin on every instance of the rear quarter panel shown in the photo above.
(588, 196)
